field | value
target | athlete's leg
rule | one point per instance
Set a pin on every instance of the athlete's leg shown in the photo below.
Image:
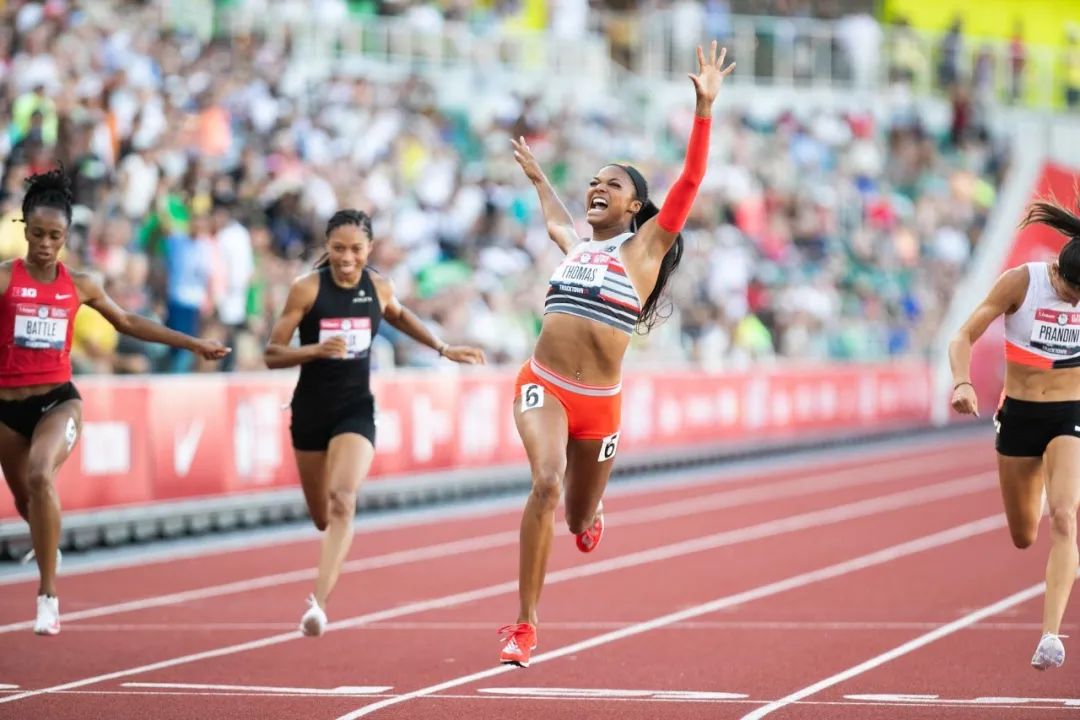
(348, 461)
(587, 472)
(543, 430)
(1063, 497)
(52, 442)
(1022, 484)
(313, 480)
(14, 457)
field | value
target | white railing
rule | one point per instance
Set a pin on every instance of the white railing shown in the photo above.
(803, 52)
(316, 39)
(771, 51)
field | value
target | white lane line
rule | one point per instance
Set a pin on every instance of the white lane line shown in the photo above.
(756, 625)
(901, 650)
(267, 689)
(818, 518)
(840, 461)
(807, 485)
(829, 572)
(1029, 704)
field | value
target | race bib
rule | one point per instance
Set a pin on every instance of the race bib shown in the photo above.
(1056, 332)
(355, 331)
(582, 274)
(40, 327)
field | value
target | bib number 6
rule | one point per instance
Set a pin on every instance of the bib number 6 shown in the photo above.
(532, 397)
(608, 446)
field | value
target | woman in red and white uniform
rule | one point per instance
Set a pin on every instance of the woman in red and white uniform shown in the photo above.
(40, 409)
(568, 403)
(1038, 421)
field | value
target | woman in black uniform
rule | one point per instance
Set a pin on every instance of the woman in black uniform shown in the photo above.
(337, 309)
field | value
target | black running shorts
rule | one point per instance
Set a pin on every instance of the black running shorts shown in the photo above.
(317, 418)
(23, 416)
(1025, 428)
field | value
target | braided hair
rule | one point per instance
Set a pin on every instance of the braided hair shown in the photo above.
(51, 189)
(340, 219)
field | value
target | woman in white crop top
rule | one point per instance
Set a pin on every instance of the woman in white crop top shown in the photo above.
(1038, 421)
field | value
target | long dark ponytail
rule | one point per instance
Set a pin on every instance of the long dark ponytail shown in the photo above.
(651, 310)
(339, 219)
(1053, 215)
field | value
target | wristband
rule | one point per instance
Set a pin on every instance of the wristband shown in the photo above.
(965, 382)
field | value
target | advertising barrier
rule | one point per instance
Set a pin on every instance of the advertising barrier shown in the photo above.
(162, 438)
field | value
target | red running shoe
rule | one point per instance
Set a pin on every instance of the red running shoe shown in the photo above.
(588, 540)
(519, 640)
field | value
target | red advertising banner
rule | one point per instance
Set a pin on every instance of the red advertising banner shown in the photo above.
(163, 438)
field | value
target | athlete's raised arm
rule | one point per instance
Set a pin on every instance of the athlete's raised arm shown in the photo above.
(557, 219)
(91, 293)
(279, 353)
(659, 233)
(407, 322)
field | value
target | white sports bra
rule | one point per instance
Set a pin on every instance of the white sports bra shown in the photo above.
(1044, 332)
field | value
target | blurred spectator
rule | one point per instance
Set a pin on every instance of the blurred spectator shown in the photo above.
(907, 57)
(188, 267)
(1017, 63)
(34, 118)
(1071, 62)
(949, 53)
(237, 262)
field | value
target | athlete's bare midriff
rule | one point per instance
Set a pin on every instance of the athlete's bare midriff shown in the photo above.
(1023, 382)
(21, 393)
(582, 350)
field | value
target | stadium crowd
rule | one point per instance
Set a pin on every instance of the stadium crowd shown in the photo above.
(203, 185)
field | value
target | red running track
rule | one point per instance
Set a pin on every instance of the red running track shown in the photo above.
(878, 585)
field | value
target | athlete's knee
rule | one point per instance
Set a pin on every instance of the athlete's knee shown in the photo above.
(1024, 538)
(1063, 520)
(40, 481)
(342, 504)
(547, 486)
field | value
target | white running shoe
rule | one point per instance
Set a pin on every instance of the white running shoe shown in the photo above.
(28, 557)
(48, 616)
(1050, 653)
(314, 621)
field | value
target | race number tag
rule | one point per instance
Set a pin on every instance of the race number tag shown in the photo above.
(608, 446)
(532, 397)
(582, 274)
(355, 331)
(1056, 331)
(40, 327)
(71, 433)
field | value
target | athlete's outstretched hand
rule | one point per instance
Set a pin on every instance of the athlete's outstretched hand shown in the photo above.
(464, 354)
(711, 73)
(964, 400)
(523, 155)
(210, 349)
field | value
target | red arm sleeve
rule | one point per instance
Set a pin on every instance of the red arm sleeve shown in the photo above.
(680, 198)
